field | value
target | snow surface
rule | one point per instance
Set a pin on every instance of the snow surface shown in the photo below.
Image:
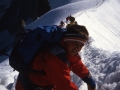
(101, 56)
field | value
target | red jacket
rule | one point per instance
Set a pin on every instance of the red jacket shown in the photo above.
(57, 70)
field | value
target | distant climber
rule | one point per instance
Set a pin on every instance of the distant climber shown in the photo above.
(70, 21)
(62, 24)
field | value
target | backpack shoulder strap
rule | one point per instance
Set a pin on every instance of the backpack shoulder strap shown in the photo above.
(58, 51)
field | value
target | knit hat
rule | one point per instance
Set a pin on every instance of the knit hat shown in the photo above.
(76, 33)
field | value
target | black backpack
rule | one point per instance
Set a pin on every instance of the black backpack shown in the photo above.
(33, 41)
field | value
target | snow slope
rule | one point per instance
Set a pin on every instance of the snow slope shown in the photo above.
(54, 16)
(102, 56)
(104, 24)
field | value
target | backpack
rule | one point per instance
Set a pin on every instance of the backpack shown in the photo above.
(23, 53)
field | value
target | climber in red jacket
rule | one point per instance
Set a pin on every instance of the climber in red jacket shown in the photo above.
(54, 64)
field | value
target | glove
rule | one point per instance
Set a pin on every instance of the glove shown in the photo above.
(90, 82)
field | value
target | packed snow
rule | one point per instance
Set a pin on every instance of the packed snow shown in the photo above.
(101, 55)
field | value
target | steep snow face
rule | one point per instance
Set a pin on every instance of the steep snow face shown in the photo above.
(54, 3)
(103, 24)
(54, 16)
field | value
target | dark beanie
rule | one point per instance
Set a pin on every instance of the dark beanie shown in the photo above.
(77, 32)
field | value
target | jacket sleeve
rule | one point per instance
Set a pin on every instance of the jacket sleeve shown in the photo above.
(59, 74)
(77, 66)
(81, 70)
